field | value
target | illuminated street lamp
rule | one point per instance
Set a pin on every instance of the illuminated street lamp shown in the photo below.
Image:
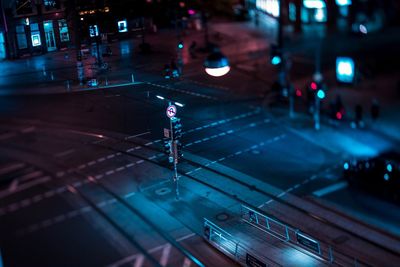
(216, 64)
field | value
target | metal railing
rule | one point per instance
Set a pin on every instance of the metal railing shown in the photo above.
(297, 238)
(227, 244)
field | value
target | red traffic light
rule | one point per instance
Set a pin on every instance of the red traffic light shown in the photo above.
(298, 93)
(339, 115)
(313, 86)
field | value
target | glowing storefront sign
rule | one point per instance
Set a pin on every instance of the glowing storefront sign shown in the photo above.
(122, 26)
(343, 2)
(36, 40)
(269, 6)
(93, 31)
(345, 69)
(319, 4)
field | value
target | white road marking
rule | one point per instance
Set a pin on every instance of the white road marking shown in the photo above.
(183, 91)
(165, 255)
(37, 198)
(136, 135)
(238, 153)
(130, 258)
(330, 189)
(64, 153)
(186, 263)
(139, 261)
(6, 193)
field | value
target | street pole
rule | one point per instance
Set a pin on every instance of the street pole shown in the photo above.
(285, 64)
(317, 125)
(318, 79)
(76, 22)
(174, 151)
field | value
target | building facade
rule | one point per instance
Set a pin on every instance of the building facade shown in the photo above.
(36, 27)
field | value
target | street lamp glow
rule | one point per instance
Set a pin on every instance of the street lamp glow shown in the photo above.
(179, 104)
(216, 64)
(218, 72)
(160, 97)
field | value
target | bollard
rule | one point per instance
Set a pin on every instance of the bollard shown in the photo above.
(133, 79)
(52, 76)
(68, 85)
(106, 81)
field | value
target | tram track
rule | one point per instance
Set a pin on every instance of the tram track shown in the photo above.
(234, 179)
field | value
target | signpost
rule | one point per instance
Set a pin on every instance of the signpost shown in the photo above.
(171, 111)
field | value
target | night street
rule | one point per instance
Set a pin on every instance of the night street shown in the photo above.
(144, 157)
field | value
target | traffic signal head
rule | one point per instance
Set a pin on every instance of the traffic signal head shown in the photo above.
(176, 128)
(276, 60)
(275, 55)
(167, 146)
(321, 94)
(180, 45)
(313, 86)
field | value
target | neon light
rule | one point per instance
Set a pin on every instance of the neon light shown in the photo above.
(218, 72)
(160, 97)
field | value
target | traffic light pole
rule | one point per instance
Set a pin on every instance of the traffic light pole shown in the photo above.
(175, 177)
(317, 125)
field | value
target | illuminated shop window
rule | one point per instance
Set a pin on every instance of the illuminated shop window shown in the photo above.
(63, 28)
(122, 26)
(35, 34)
(93, 31)
(21, 37)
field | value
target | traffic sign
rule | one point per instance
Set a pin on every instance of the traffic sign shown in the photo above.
(166, 133)
(171, 111)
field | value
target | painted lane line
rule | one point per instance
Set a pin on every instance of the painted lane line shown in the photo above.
(64, 153)
(165, 255)
(182, 91)
(235, 154)
(130, 258)
(330, 189)
(186, 263)
(137, 135)
(7, 192)
(13, 207)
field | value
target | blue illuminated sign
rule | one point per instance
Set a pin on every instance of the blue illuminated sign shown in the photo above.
(93, 31)
(343, 2)
(345, 69)
(36, 40)
(122, 26)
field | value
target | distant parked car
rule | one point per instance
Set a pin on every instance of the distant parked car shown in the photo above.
(379, 176)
